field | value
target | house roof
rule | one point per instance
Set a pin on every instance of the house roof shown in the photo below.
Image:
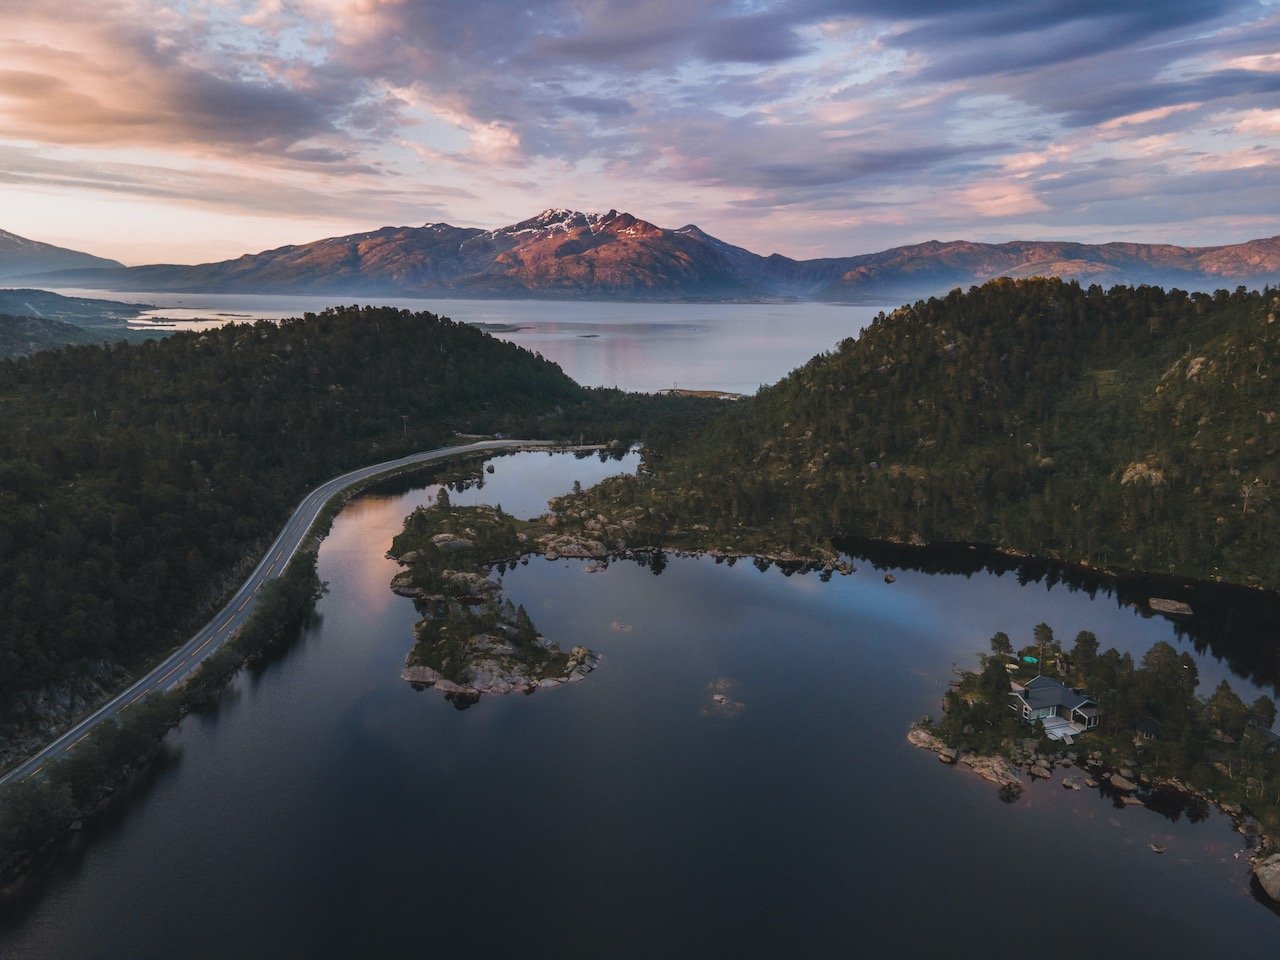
(1269, 737)
(1148, 727)
(1047, 692)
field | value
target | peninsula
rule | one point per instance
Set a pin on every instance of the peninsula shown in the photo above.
(1138, 733)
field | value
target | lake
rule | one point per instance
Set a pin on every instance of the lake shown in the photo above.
(734, 347)
(326, 809)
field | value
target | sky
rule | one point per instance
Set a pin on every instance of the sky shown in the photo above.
(189, 132)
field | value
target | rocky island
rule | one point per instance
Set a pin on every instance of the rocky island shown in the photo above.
(1155, 743)
(470, 641)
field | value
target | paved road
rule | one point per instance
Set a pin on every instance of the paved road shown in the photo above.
(182, 662)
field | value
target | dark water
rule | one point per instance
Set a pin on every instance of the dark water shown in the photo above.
(328, 810)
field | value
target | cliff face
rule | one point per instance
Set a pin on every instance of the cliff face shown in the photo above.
(566, 254)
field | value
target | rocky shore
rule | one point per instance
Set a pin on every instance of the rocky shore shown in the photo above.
(498, 668)
(471, 642)
(1124, 786)
(636, 532)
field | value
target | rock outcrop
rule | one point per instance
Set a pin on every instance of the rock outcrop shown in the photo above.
(1268, 873)
(497, 668)
(997, 770)
(1122, 783)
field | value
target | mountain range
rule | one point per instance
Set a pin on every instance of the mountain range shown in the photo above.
(19, 256)
(565, 254)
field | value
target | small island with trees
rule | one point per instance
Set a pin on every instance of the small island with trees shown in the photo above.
(469, 640)
(1155, 742)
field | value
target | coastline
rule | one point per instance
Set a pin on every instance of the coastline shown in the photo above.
(1006, 770)
(631, 522)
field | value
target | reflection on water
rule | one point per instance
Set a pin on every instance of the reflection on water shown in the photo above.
(1235, 631)
(327, 810)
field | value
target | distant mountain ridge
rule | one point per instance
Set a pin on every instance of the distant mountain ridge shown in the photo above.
(20, 256)
(567, 254)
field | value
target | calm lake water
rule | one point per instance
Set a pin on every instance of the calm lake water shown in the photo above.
(635, 346)
(326, 809)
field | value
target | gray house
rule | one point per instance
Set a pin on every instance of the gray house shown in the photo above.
(1063, 711)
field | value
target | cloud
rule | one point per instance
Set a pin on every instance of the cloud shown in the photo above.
(600, 106)
(106, 78)
(897, 117)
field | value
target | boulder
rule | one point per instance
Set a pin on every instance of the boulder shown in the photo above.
(469, 584)
(451, 543)
(1123, 784)
(948, 755)
(1173, 607)
(1040, 770)
(1268, 873)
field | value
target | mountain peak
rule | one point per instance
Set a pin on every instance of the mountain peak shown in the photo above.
(560, 252)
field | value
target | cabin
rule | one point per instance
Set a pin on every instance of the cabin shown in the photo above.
(1146, 729)
(1064, 712)
(1269, 738)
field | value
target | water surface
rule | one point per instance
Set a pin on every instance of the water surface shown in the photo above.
(734, 347)
(326, 809)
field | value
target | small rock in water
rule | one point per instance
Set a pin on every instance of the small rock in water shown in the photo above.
(889, 578)
(1174, 607)
(1156, 848)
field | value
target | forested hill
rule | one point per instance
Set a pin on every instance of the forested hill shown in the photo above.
(134, 479)
(1134, 429)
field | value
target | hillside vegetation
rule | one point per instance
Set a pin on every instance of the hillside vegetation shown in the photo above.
(136, 481)
(1130, 429)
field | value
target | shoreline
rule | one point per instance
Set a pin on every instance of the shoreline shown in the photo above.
(1118, 784)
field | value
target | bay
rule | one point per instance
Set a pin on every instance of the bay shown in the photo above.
(733, 347)
(326, 809)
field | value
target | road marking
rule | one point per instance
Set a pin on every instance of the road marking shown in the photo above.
(176, 667)
(202, 646)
